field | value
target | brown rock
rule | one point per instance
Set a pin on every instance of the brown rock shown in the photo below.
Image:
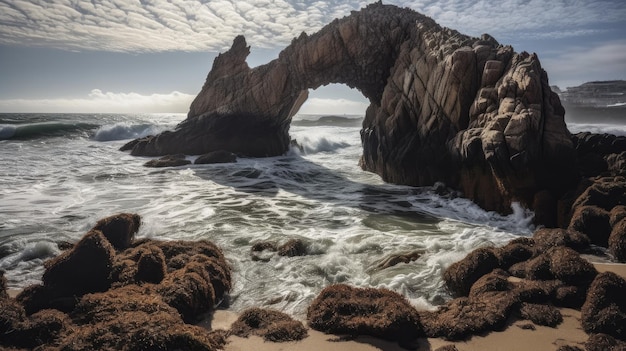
(133, 318)
(617, 241)
(460, 276)
(512, 253)
(604, 342)
(269, 324)
(119, 229)
(3, 286)
(83, 269)
(546, 239)
(616, 215)
(341, 309)
(592, 221)
(541, 314)
(292, 248)
(604, 311)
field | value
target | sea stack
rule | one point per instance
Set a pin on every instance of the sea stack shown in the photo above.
(444, 107)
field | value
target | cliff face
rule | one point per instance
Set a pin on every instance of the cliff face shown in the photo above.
(444, 107)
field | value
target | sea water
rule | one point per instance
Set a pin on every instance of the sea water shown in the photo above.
(60, 173)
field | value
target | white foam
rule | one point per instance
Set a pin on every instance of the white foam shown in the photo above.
(126, 130)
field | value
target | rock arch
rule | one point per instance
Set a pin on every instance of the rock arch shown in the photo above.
(443, 107)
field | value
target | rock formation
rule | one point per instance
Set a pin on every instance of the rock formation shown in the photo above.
(141, 297)
(446, 107)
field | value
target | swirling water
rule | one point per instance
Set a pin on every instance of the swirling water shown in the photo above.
(61, 173)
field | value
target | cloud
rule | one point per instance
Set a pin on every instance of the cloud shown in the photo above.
(323, 106)
(195, 25)
(574, 65)
(98, 101)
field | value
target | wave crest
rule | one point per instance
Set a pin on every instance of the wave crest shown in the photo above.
(125, 130)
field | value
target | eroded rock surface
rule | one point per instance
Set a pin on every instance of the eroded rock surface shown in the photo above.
(446, 107)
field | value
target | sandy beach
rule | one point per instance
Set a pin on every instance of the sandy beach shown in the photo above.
(518, 336)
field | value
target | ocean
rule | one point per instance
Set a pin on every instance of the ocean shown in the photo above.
(60, 173)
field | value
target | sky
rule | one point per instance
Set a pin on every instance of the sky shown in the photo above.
(153, 55)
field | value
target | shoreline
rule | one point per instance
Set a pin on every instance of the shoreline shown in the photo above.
(515, 337)
(518, 335)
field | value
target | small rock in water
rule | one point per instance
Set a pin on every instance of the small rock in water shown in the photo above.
(219, 156)
(168, 161)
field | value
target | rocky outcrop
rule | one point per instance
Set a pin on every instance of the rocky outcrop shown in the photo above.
(141, 297)
(446, 107)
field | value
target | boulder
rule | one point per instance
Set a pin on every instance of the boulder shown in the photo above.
(83, 269)
(293, 247)
(119, 229)
(617, 241)
(219, 156)
(3, 286)
(269, 324)
(345, 310)
(604, 342)
(592, 221)
(460, 276)
(604, 311)
(444, 107)
(541, 314)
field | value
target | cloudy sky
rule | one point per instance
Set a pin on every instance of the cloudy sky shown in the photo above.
(153, 55)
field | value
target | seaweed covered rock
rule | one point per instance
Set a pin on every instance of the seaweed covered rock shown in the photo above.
(617, 241)
(119, 229)
(594, 222)
(342, 309)
(85, 268)
(604, 311)
(138, 298)
(269, 324)
(541, 314)
(292, 248)
(545, 239)
(604, 342)
(133, 318)
(3, 286)
(460, 276)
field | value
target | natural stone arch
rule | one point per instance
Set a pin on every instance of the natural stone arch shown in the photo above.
(443, 107)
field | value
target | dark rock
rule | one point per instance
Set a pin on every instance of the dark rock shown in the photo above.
(545, 208)
(219, 156)
(119, 229)
(11, 316)
(3, 286)
(133, 318)
(460, 276)
(341, 309)
(168, 161)
(475, 115)
(616, 215)
(567, 266)
(604, 342)
(546, 239)
(513, 253)
(605, 193)
(592, 221)
(616, 163)
(292, 248)
(83, 269)
(262, 246)
(269, 324)
(617, 241)
(65, 245)
(541, 314)
(604, 311)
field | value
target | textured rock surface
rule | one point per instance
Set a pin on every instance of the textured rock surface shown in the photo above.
(138, 298)
(446, 107)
